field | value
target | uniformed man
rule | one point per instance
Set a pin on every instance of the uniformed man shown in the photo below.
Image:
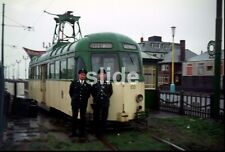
(79, 92)
(101, 92)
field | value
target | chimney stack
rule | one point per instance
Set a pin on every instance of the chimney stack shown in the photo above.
(182, 50)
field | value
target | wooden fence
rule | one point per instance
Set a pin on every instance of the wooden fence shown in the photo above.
(190, 104)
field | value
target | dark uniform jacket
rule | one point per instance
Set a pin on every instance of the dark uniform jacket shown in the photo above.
(101, 93)
(79, 93)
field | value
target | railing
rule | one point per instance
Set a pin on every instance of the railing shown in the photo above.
(190, 104)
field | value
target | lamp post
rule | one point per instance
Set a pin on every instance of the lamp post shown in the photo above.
(25, 59)
(18, 68)
(172, 85)
(13, 71)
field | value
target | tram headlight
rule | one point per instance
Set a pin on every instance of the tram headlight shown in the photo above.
(139, 98)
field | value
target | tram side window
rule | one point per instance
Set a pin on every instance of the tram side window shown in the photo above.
(37, 72)
(57, 69)
(31, 74)
(70, 68)
(79, 65)
(63, 70)
(52, 71)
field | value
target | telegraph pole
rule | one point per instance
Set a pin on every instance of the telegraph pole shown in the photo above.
(3, 16)
(2, 80)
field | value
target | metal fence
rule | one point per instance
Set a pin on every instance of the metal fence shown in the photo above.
(197, 105)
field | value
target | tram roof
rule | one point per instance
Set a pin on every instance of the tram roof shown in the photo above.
(101, 41)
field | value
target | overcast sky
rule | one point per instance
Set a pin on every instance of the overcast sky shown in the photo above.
(194, 21)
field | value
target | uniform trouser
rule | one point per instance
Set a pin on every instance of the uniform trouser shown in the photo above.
(75, 124)
(100, 118)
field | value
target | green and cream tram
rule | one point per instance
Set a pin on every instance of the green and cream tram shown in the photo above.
(50, 74)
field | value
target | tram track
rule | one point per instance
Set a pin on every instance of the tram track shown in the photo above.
(173, 146)
(107, 143)
(144, 125)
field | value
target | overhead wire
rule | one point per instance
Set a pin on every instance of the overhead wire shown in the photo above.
(17, 45)
(29, 28)
(38, 18)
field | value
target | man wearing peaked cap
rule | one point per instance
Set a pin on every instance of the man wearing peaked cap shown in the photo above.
(79, 92)
(101, 92)
(101, 71)
(82, 71)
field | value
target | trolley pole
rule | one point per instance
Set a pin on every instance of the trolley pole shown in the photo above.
(217, 77)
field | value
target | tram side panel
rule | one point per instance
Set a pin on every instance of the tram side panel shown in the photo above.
(35, 90)
(57, 95)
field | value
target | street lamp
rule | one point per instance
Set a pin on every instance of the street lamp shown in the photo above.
(172, 85)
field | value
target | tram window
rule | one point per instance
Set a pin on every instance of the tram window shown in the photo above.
(51, 70)
(129, 46)
(37, 72)
(79, 65)
(31, 76)
(130, 62)
(63, 71)
(70, 68)
(105, 60)
(57, 69)
(30, 73)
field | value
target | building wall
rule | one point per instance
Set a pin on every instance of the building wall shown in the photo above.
(199, 75)
(165, 73)
(200, 68)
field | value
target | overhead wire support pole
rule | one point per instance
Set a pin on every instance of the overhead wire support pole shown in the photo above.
(217, 76)
(3, 24)
(2, 80)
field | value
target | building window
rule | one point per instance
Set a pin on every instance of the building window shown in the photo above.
(209, 68)
(189, 69)
(164, 67)
(150, 76)
(163, 79)
(201, 69)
